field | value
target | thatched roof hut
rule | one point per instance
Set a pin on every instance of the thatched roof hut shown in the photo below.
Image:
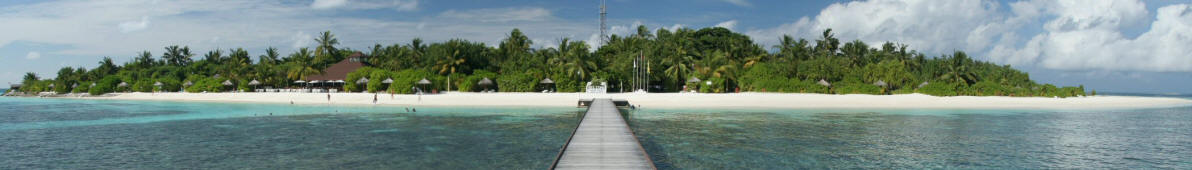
(824, 83)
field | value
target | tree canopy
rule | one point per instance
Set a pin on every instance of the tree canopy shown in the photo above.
(722, 60)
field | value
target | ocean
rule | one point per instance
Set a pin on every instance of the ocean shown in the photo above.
(42, 133)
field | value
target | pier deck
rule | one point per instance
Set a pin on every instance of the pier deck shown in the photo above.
(603, 140)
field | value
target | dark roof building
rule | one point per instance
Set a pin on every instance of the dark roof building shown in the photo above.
(340, 70)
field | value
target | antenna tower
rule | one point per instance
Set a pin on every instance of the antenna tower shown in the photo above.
(603, 26)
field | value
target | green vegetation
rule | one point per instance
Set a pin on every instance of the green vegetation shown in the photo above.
(729, 61)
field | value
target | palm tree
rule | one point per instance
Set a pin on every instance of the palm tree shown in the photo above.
(448, 64)
(957, 71)
(301, 67)
(327, 43)
(176, 56)
(679, 66)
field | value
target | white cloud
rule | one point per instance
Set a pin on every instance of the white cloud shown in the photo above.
(130, 26)
(33, 55)
(301, 39)
(411, 5)
(730, 24)
(1079, 40)
(327, 4)
(929, 26)
(500, 14)
(742, 3)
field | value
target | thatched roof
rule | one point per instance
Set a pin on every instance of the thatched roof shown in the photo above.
(188, 83)
(546, 81)
(254, 82)
(423, 81)
(824, 83)
(122, 84)
(227, 82)
(362, 80)
(880, 83)
(387, 81)
(693, 80)
(340, 70)
(485, 81)
(157, 84)
(300, 81)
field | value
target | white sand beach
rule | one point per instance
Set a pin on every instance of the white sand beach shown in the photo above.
(677, 100)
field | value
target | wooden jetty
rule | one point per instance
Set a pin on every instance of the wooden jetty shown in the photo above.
(603, 140)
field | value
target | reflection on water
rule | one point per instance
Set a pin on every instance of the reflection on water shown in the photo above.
(434, 138)
(1154, 138)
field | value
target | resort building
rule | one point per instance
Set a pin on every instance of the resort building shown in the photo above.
(337, 72)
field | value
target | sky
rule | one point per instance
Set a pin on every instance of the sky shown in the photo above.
(1105, 45)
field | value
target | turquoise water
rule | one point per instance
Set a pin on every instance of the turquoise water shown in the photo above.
(88, 134)
(916, 139)
(39, 133)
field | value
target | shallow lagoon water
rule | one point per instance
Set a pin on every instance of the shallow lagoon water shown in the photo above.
(90, 134)
(37, 133)
(916, 139)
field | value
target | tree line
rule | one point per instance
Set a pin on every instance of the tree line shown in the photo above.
(709, 60)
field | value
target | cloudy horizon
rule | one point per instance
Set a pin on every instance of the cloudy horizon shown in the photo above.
(1111, 45)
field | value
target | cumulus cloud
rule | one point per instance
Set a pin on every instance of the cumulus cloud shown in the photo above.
(301, 39)
(327, 4)
(33, 55)
(1064, 35)
(931, 26)
(742, 3)
(1082, 40)
(130, 26)
(500, 14)
(730, 24)
(410, 5)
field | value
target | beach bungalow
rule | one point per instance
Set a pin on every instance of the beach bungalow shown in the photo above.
(339, 71)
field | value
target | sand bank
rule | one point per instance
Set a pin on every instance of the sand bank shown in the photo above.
(678, 100)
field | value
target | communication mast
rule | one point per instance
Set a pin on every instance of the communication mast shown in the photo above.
(603, 26)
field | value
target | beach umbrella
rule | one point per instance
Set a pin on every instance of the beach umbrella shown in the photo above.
(485, 81)
(300, 82)
(188, 83)
(362, 81)
(423, 82)
(922, 84)
(544, 81)
(122, 84)
(693, 80)
(880, 83)
(51, 85)
(158, 85)
(387, 81)
(227, 83)
(254, 83)
(824, 83)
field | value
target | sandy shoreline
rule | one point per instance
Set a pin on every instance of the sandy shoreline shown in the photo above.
(677, 100)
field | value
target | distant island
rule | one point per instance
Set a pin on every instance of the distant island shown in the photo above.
(708, 60)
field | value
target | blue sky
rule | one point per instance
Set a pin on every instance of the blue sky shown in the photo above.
(1107, 45)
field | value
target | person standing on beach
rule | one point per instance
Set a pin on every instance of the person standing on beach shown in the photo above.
(374, 98)
(328, 97)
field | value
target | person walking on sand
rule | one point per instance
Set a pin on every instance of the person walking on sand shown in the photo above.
(374, 98)
(328, 97)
